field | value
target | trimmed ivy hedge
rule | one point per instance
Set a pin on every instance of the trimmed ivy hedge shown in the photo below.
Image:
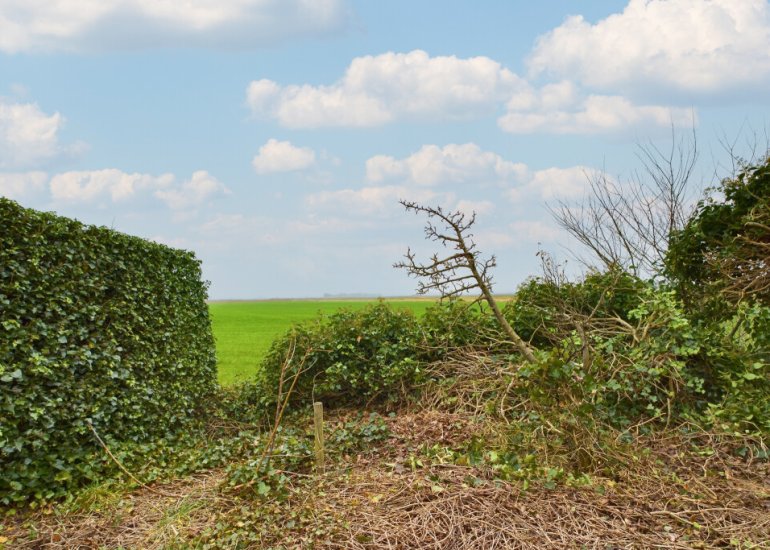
(96, 328)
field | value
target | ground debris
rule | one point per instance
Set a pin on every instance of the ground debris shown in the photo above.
(377, 499)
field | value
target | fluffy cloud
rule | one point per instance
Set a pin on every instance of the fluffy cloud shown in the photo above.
(29, 137)
(378, 89)
(433, 165)
(689, 45)
(118, 186)
(90, 185)
(369, 201)
(193, 192)
(282, 156)
(72, 25)
(552, 183)
(22, 184)
(560, 109)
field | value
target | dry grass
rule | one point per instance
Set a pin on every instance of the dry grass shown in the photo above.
(160, 517)
(410, 510)
(671, 499)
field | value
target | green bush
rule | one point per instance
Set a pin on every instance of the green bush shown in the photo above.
(454, 324)
(721, 256)
(97, 328)
(351, 357)
(539, 305)
(629, 375)
(736, 367)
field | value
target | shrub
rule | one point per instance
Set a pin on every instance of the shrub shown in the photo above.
(721, 256)
(98, 328)
(630, 373)
(351, 357)
(453, 324)
(736, 365)
(543, 305)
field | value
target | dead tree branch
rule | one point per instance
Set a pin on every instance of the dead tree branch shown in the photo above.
(464, 270)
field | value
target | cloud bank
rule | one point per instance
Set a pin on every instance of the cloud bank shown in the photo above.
(413, 86)
(433, 165)
(695, 46)
(99, 25)
(376, 90)
(113, 186)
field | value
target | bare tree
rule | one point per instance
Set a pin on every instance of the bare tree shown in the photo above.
(463, 270)
(629, 224)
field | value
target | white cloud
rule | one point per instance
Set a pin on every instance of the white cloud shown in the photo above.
(98, 25)
(201, 187)
(561, 182)
(688, 45)
(378, 89)
(90, 185)
(517, 234)
(559, 109)
(282, 156)
(118, 186)
(372, 201)
(29, 137)
(552, 183)
(433, 165)
(22, 184)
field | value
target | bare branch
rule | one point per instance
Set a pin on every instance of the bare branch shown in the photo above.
(461, 272)
(629, 224)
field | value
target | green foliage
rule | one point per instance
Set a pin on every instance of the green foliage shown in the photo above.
(631, 374)
(723, 250)
(97, 328)
(358, 434)
(293, 452)
(244, 331)
(719, 265)
(453, 324)
(377, 353)
(350, 357)
(737, 362)
(542, 305)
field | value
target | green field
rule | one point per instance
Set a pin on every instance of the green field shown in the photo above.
(245, 330)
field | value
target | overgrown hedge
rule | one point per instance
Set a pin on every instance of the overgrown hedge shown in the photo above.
(347, 358)
(95, 327)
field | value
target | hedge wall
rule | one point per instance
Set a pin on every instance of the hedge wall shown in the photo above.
(95, 326)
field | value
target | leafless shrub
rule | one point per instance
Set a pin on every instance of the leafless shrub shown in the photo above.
(628, 224)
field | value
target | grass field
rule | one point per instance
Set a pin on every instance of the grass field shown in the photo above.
(245, 330)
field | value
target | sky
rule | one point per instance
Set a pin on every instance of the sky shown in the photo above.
(274, 138)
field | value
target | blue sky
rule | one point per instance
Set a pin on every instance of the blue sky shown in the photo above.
(274, 137)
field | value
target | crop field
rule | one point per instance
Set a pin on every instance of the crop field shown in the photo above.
(245, 330)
